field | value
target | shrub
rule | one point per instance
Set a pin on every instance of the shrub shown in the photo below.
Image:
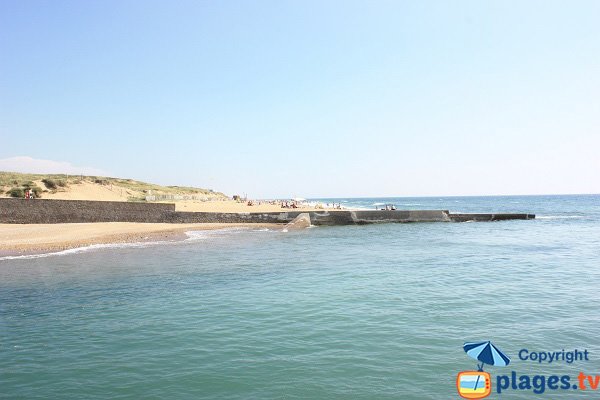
(37, 191)
(50, 184)
(16, 192)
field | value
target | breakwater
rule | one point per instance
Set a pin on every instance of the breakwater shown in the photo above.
(44, 211)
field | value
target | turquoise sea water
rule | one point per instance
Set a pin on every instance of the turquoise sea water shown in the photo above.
(357, 312)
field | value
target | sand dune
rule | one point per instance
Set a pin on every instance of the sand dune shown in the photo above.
(89, 191)
(78, 187)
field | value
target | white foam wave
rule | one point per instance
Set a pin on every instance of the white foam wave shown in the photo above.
(220, 233)
(205, 234)
(83, 249)
(559, 216)
(192, 235)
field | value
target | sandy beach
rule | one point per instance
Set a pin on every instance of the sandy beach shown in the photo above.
(86, 190)
(36, 238)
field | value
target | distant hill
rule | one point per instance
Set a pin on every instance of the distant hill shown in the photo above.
(81, 187)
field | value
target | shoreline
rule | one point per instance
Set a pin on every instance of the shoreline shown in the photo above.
(32, 239)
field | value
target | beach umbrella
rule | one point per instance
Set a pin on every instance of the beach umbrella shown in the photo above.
(487, 353)
(299, 199)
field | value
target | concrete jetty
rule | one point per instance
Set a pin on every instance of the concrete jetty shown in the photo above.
(461, 217)
(43, 211)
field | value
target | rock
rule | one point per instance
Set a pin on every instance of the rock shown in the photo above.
(302, 221)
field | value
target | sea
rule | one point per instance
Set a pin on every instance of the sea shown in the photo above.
(347, 312)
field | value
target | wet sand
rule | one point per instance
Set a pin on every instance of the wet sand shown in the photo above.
(17, 239)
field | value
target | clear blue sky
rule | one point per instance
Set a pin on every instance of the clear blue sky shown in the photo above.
(309, 98)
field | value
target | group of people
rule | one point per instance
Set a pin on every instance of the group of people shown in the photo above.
(388, 207)
(289, 204)
(282, 203)
(293, 204)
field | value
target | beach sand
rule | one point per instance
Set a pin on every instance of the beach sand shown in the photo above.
(37, 238)
(91, 191)
(34, 238)
(233, 206)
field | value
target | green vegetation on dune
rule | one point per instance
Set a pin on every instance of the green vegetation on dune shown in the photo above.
(145, 187)
(18, 179)
(53, 184)
(13, 183)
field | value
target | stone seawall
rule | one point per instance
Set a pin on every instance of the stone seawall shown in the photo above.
(40, 211)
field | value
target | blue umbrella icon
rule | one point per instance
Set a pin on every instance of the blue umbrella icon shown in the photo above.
(487, 353)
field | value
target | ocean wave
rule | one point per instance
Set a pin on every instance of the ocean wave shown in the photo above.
(205, 234)
(192, 235)
(83, 249)
(223, 232)
(559, 216)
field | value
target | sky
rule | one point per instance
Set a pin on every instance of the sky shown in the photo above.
(307, 98)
